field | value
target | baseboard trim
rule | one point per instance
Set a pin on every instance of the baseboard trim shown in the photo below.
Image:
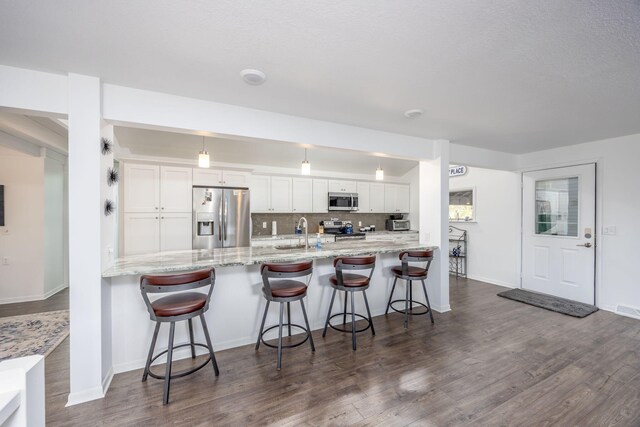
(106, 381)
(15, 300)
(84, 396)
(494, 282)
(441, 308)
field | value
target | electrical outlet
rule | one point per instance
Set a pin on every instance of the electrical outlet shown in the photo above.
(359, 223)
(264, 225)
(609, 230)
(4, 231)
(5, 261)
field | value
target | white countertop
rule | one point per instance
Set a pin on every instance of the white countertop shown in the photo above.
(166, 262)
(295, 236)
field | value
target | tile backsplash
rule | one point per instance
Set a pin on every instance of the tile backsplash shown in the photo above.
(286, 222)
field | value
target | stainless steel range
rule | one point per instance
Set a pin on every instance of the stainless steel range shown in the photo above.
(343, 230)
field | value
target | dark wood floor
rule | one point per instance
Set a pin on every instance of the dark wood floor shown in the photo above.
(489, 362)
(59, 301)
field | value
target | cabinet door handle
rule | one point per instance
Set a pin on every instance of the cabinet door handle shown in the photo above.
(156, 217)
(162, 208)
(156, 208)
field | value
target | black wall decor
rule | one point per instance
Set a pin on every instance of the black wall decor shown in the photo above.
(112, 177)
(109, 207)
(106, 145)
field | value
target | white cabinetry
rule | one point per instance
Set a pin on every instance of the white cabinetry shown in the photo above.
(270, 194)
(342, 186)
(396, 198)
(220, 178)
(320, 196)
(364, 197)
(302, 194)
(376, 198)
(157, 208)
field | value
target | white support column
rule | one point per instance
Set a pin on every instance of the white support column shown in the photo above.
(434, 217)
(85, 210)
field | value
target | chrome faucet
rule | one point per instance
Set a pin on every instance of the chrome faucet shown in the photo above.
(306, 231)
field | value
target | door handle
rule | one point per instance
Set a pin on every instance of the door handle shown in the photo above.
(586, 245)
(226, 216)
(220, 219)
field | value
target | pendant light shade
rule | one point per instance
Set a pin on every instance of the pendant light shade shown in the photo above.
(203, 157)
(379, 173)
(306, 166)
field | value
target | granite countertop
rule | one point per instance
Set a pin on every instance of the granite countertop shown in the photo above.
(295, 236)
(166, 262)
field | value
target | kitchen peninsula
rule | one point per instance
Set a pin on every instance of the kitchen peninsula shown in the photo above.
(236, 304)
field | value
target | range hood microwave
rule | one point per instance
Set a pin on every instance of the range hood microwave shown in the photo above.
(343, 202)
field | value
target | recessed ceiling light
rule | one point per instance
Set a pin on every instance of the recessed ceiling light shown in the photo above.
(253, 77)
(412, 114)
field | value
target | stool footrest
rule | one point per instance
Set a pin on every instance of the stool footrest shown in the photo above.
(411, 312)
(181, 373)
(360, 316)
(293, 325)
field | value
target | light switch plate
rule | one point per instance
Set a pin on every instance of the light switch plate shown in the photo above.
(4, 231)
(609, 230)
(264, 225)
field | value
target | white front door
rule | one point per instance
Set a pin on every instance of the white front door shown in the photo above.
(558, 232)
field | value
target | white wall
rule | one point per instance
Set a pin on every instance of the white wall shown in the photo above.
(413, 178)
(23, 278)
(54, 227)
(618, 179)
(494, 239)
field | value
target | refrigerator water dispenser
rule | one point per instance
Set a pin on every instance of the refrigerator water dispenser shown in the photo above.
(205, 224)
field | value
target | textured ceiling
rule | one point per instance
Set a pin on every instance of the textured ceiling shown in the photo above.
(509, 75)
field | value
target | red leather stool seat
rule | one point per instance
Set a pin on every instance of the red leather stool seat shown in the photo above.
(287, 288)
(413, 271)
(351, 280)
(179, 304)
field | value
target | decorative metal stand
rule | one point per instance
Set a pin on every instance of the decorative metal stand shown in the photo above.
(457, 251)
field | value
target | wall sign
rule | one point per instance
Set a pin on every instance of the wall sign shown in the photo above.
(457, 171)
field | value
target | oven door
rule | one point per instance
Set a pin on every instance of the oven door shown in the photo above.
(342, 201)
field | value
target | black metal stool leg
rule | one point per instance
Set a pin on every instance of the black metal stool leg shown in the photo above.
(211, 354)
(344, 317)
(193, 347)
(411, 295)
(326, 324)
(353, 322)
(393, 288)
(406, 304)
(280, 336)
(264, 318)
(424, 288)
(289, 317)
(366, 303)
(167, 375)
(153, 346)
(306, 321)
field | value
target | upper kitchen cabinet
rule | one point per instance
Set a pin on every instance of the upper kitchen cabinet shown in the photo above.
(271, 194)
(342, 186)
(364, 197)
(176, 189)
(220, 178)
(141, 188)
(302, 194)
(396, 198)
(370, 197)
(153, 188)
(320, 196)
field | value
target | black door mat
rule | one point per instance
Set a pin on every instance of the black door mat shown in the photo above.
(548, 302)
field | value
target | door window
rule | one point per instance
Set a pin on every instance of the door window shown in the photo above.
(557, 207)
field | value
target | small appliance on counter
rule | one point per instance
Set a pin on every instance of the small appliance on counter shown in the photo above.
(343, 230)
(396, 223)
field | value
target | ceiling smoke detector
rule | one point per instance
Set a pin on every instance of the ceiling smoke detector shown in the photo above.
(253, 77)
(412, 114)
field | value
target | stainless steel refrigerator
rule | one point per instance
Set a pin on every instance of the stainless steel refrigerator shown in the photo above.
(221, 217)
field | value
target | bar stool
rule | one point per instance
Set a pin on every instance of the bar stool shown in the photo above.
(350, 283)
(285, 290)
(174, 308)
(411, 273)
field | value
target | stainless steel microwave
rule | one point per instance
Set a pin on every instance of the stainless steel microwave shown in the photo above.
(343, 201)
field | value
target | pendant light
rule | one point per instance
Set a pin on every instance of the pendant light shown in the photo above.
(203, 157)
(379, 173)
(306, 166)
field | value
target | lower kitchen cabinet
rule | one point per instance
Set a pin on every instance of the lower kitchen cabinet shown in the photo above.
(151, 232)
